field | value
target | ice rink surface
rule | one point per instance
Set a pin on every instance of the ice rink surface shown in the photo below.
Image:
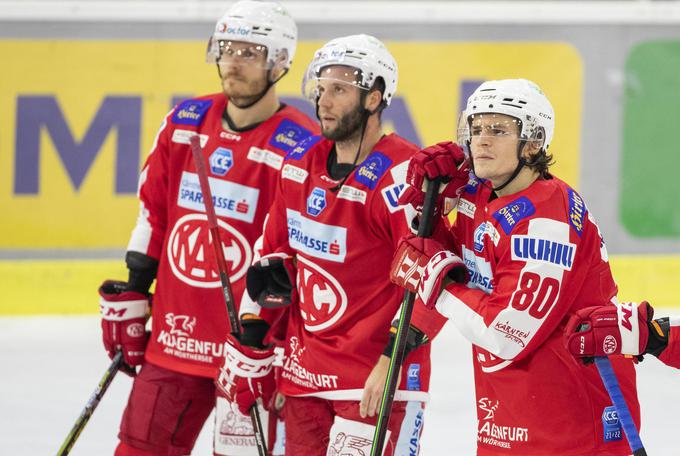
(49, 366)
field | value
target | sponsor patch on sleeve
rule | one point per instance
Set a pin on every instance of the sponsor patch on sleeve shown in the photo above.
(577, 211)
(372, 169)
(508, 216)
(288, 135)
(302, 148)
(191, 112)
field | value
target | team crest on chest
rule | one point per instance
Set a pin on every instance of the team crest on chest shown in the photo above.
(316, 201)
(221, 161)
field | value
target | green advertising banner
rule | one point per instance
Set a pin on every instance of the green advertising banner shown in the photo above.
(650, 157)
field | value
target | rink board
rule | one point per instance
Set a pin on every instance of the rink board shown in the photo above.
(73, 143)
(70, 287)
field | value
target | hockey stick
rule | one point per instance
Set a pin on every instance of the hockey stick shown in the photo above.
(397, 356)
(91, 405)
(199, 161)
(604, 366)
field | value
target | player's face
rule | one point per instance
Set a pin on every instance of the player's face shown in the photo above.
(243, 70)
(493, 144)
(339, 102)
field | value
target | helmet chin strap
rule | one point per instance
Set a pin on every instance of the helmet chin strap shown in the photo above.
(260, 95)
(520, 164)
(365, 114)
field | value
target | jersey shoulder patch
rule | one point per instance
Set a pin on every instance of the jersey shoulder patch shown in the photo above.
(288, 135)
(191, 112)
(509, 215)
(372, 169)
(299, 151)
(577, 211)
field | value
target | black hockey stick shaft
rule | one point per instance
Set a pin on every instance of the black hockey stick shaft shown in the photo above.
(397, 357)
(213, 227)
(91, 405)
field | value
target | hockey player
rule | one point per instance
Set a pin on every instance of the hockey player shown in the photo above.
(534, 254)
(245, 133)
(327, 250)
(627, 328)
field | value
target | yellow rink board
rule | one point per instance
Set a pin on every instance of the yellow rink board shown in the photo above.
(70, 287)
(61, 214)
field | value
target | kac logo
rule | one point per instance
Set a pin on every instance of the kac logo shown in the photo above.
(180, 325)
(316, 202)
(221, 161)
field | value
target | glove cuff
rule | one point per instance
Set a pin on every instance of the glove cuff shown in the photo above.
(442, 264)
(629, 328)
(252, 364)
(123, 310)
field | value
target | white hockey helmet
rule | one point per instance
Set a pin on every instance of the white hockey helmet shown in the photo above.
(363, 52)
(263, 23)
(518, 98)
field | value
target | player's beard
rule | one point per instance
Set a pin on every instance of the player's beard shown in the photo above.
(241, 91)
(348, 126)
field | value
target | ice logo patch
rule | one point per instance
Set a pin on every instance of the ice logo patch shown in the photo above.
(372, 169)
(316, 201)
(479, 238)
(611, 424)
(221, 161)
(413, 377)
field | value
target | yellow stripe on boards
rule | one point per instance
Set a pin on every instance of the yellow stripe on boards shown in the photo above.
(70, 287)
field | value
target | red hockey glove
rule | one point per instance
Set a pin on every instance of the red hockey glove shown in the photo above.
(445, 159)
(421, 264)
(124, 316)
(271, 281)
(247, 375)
(609, 330)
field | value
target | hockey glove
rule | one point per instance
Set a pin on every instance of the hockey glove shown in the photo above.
(609, 330)
(124, 315)
(421, 265)
(271, 281)
(446, 160)
(247, 374)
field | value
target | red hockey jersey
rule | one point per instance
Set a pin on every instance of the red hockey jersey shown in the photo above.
(189, 323)
(343, 241)
(533, 257)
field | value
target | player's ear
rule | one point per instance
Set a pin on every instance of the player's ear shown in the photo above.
(373, 100)
(279, 68)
